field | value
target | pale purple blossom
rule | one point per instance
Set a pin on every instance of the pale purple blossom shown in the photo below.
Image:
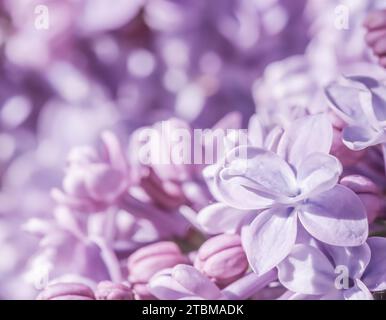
(331, 272)
(298, 183)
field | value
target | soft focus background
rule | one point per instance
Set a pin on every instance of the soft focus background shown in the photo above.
(121, 64)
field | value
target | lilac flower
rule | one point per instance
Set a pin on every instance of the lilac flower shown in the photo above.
(169, 182)
(360, 102)
(94, 181)
(299, 183)
(68, 248)
(333, 272)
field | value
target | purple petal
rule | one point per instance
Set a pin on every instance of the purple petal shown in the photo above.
(307, 270)
(252, 178)
(220, 218)
(305, 136)
(377, 98)
(375, 275)
(355, 259)
(164, 287)
(270, 238)
(361, 137)
(318, 172)
(345, 102)
(191, 279)
(336, 217)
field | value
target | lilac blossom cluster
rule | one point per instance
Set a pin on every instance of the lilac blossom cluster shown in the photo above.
(293, 208)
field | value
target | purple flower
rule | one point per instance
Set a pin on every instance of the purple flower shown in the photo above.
(360, 101)
(298, 184)
(94, 180)
(330, 272)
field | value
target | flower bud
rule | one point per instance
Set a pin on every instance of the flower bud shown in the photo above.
(107, 290)
(66, 291)
(222, 259)
(368, 192)
(148, 260)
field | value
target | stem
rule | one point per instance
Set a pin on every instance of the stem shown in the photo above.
(110, 260)
(164, 221)
(110, 227)
(247, 286)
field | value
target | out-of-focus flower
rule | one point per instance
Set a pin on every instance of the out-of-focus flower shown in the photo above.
(222, 259)
(147, 261)
(67, 291)
(107, 290)
(336, 272)
(94, 180)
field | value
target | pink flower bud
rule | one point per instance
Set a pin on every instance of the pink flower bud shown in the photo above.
(368, 192)
(222, 259)
(148, 260)
(107, 290)
(66, 291)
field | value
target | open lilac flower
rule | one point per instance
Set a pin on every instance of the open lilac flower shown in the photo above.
(298, 184)
(361, 103)
(330, 272)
